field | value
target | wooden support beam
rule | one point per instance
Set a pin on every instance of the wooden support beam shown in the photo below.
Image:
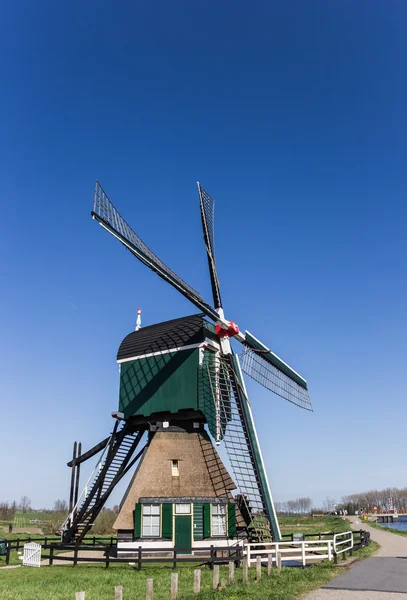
(78, 471)
(72, 464)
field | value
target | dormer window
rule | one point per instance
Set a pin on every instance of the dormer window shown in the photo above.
(175, 468)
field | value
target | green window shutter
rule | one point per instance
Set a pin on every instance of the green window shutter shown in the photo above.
(198, 522)
(231, 519)
(166, 515)
(207, 520)
(137, 520)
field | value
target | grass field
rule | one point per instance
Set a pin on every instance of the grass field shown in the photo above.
(61, 582)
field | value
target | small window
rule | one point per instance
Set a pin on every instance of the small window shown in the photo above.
(182, 509)
(175, 468)
(218, 519)
(151, 520)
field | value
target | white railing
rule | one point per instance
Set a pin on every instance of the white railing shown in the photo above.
(343, 542)
(305, 551)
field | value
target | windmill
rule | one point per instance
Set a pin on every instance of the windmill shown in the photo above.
(223, 403)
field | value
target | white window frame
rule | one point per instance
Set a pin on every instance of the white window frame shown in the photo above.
(183, 508)
(175, 468)
(219, 522)
(149, 520)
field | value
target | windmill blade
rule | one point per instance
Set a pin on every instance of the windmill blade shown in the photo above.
(231, 421)
(273, 373)
(207, 205)
(110, 219)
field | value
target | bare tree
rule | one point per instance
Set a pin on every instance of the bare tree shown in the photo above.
(60, 506)
(25, 504)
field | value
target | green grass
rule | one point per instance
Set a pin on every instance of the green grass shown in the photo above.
(61, 583)
(327, 524)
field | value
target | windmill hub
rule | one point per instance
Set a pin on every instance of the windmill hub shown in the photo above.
(231, 331)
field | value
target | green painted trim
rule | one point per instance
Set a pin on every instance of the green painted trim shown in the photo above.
(232, 519)
(207, 520)
(166, 521)
(137, 520)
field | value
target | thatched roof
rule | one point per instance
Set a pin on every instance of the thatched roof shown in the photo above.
(201, 472)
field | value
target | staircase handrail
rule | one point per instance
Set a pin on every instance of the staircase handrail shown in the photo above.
(85, 490)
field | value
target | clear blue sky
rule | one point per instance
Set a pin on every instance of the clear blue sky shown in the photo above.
(293, 116)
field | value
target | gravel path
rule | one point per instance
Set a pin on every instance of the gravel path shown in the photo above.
(381, 577)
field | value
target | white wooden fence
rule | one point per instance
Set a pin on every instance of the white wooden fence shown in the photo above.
(343, 542)
(32, 555)
(304, 552)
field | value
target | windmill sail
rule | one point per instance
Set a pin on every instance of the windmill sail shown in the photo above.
(270, 371)
(110, 219)
(238, 433)
(207, 205)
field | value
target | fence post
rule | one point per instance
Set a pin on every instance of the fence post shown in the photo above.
(245, 569)
(18, 544)
(269, 564)
(75, 556)
(238, 556)
(118, 592)
(303, 555)
(212, 557)
(174, 563)
(94, 541)
(197, 581)
(258, 567)
(107, 559)
(278, 560)
(8, 553)
(215, 577)
(80, 596)
(45, 540)
(149, 591)
(139, 557)
(231, 572)
(174, 586)
(330, 551)
(51, 555)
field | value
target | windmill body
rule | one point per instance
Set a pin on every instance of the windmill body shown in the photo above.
(181, 386)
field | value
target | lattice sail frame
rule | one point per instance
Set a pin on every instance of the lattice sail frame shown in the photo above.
(273, 379)
(109, 217)
(207, 205)
(233, 425)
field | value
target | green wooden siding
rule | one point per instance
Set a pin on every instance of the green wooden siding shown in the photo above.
(198, 521)
(137, 520)
(166, 526)
(167, 382)
(231, 520)
(207, 520)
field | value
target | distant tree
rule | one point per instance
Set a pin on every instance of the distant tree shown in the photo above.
(60, 506)
(25, 504)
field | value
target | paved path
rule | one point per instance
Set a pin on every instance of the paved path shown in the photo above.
(381, 577)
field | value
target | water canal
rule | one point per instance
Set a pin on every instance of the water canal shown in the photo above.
(400, 524)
